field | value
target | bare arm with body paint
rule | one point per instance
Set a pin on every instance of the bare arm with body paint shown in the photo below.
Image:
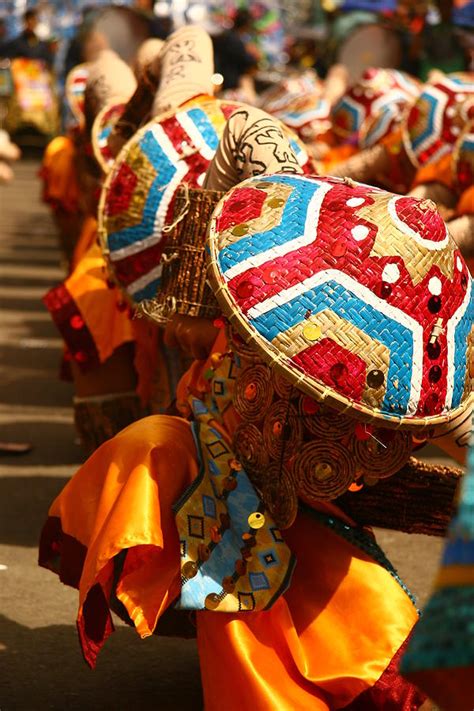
(253, 143)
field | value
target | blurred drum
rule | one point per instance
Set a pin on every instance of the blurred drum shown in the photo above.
(367, 46)
(124, 29)
(34, 104)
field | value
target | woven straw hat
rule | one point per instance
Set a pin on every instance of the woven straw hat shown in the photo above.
(75, 87)
(101, 130)
(358, 296)
(137, 201)
(438, 117)
(464, 158)
(374, 104)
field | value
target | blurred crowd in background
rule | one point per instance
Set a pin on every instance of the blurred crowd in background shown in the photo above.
(256, 43)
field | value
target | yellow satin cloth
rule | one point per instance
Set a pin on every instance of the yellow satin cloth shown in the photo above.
(58, 171)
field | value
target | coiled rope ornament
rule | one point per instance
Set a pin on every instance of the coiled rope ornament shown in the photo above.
(279, 494)
(282, 431)
(323, 470)
(253, 393)
(323, 421)
(383, 453)
(248, 445)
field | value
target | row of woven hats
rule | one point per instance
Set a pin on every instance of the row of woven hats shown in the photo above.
(136, 219)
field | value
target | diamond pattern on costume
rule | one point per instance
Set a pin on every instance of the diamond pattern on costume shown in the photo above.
(259, 581)
(209, 506)
(196, 526)
(268, 558)
(246, 602)
(215, 573)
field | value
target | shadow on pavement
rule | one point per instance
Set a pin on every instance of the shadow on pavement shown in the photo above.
(54, 443)
(24, 504)
(131, 673)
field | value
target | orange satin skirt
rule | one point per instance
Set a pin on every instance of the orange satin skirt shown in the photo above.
(325, 644)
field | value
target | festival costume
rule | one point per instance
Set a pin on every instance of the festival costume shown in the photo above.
(148, 579)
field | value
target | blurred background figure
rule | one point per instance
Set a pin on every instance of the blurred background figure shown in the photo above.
(231, 53)
(27, 44)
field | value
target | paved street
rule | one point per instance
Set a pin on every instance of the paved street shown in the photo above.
(40, 661)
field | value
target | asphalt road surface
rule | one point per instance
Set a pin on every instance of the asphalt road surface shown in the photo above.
(41, 666)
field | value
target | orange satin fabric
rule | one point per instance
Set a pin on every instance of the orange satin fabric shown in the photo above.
(103, 308)
(87, 239)
(465, 205)
(330, 637)
(327, 640)
(441, 171)
(59, 174)
(121, 498)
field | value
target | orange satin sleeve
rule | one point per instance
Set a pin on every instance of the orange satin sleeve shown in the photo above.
(127, 489)
(58, 171)
(465, 205)
(336, 155)
(440, 171)
(330, 637)
(101, 305)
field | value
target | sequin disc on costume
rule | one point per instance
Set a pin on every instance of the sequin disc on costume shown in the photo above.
(345, 289)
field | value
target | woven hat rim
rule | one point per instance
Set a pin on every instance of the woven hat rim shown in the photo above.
(276, 360)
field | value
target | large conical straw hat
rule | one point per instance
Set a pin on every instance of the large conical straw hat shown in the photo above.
(378, 98)
(137, 201)
(358, 296)
(438, 117)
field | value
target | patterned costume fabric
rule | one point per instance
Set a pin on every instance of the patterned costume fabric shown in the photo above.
(101, 130)
(138, 197)
(372, 107)
(440, 657)
(358, 296)
(438, 117)
(233, 557)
